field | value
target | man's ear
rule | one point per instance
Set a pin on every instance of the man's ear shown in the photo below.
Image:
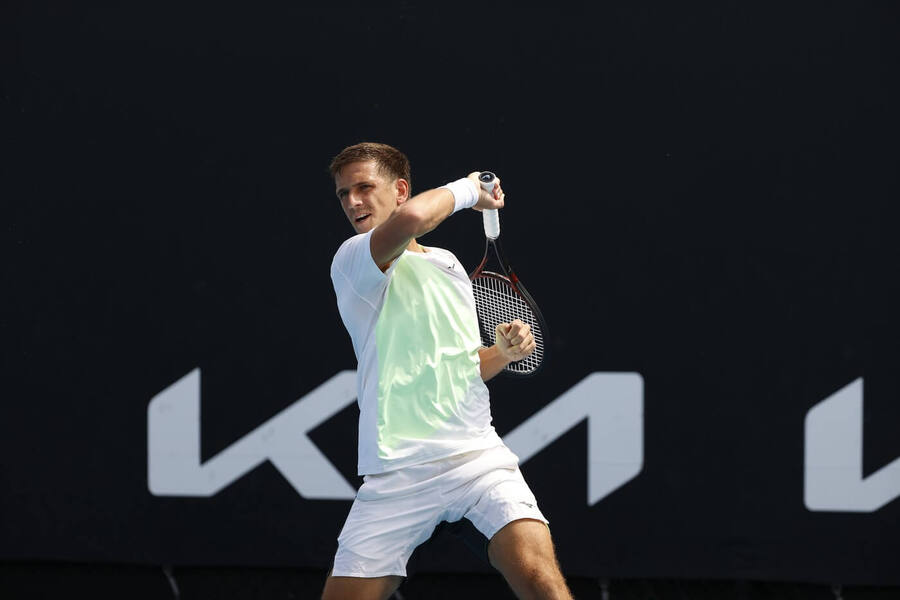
(402, 189)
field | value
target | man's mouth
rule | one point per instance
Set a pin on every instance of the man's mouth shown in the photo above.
(362, 218)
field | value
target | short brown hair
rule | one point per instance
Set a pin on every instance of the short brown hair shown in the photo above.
(391, 162)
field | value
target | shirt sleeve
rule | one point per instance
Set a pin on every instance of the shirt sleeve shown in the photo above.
(354, 268)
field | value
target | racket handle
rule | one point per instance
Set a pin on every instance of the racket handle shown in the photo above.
(491, 217)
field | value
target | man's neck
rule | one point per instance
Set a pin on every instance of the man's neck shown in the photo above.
(414, 246)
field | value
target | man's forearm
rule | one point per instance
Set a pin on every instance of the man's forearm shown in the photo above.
(492, 362)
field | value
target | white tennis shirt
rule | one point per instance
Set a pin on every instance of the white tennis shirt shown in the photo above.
(415, 335)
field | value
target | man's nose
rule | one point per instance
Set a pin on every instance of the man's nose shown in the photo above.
(353, 199)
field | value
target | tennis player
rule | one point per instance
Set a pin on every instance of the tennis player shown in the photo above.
(427, 448)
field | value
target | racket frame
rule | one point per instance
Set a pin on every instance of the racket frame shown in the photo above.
(509, 276)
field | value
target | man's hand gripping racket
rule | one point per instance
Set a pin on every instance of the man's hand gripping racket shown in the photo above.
(506, 311)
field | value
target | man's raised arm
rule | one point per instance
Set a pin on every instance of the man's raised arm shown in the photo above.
(423, 212)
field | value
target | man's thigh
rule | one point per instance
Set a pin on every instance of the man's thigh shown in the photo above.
(519, 541)
(360, 588)
(523, 552)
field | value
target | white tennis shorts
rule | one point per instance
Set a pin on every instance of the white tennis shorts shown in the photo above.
(395, 512)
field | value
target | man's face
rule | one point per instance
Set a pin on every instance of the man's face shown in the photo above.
(367, 196)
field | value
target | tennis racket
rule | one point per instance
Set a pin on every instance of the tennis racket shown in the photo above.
(501, 297)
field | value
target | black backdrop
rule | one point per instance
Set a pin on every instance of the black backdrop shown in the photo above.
(704, 196)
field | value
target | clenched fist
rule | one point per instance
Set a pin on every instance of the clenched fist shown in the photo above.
(514, 340)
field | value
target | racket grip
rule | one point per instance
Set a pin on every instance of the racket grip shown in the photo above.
(491, 220)
(491, 217)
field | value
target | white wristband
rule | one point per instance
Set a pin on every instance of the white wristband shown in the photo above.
(465, 193)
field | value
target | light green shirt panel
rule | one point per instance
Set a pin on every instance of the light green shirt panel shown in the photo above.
(428, 341)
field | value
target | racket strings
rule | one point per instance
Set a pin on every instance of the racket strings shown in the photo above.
(497, 302)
